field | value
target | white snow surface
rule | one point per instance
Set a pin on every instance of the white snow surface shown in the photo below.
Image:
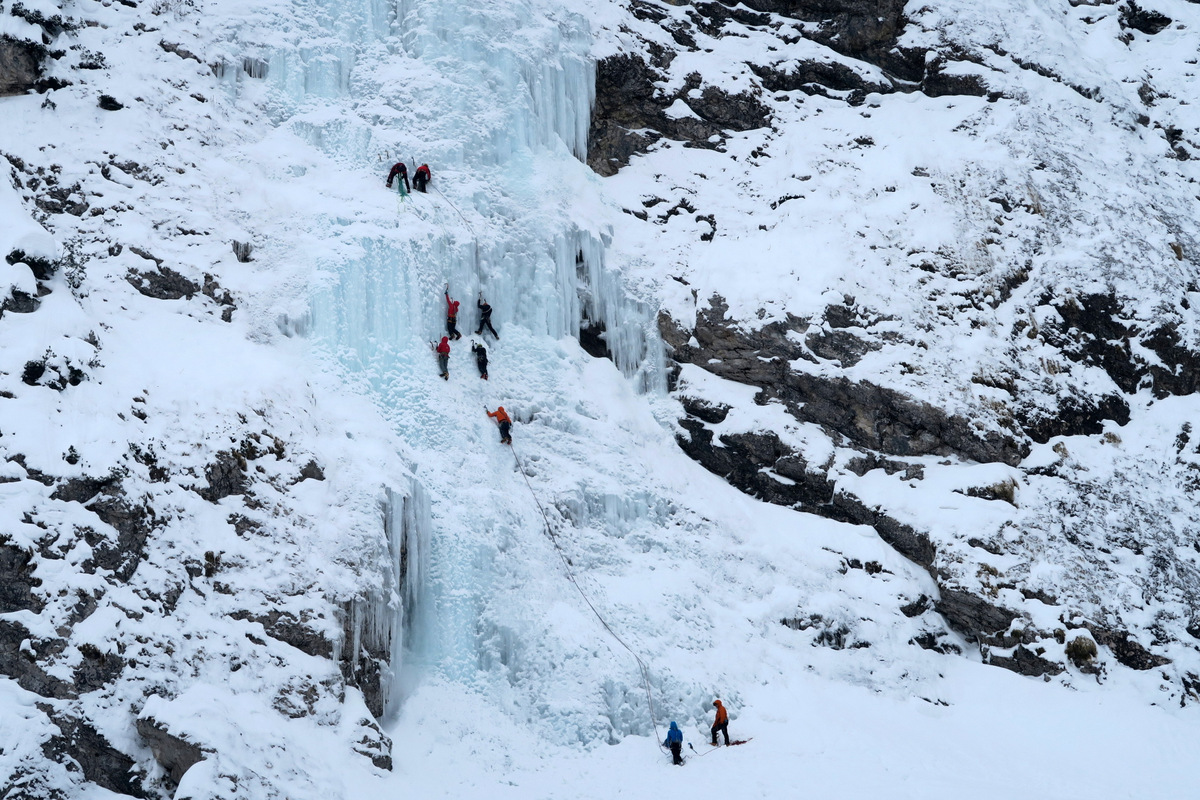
(504, 683)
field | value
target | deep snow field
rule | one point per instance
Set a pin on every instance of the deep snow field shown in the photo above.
(505, 682)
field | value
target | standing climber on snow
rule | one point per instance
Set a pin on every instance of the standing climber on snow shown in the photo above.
(443, 356)
(721, 723)
(505, 424)
(480, 358)
(485, 317)
(674, 741)
(451, 315)
(398, 169)
(421, 178)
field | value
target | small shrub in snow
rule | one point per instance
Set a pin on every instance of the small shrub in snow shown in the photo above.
(1081, 650)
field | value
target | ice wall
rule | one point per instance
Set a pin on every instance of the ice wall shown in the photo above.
(496, 97)
(381, 626)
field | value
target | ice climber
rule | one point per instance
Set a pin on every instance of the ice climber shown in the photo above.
(398, 169)
(674, 741)
(452, 315)
(443, 357)
(721, 723)
(421, 178)
(480, 358)
(505, 426)
(485, 317)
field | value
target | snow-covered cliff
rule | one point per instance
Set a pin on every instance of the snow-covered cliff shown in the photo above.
(918, 278)
(957, 246)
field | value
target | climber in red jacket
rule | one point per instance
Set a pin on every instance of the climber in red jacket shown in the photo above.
(398, 169)
(421, 178)
(452, 315)
(443, 356)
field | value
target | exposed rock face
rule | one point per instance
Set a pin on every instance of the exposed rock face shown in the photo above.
(1141, 19)
(286, 628)
(633, 110)
(16, 590)
(630, 113)
(1128, 650)
(865, 414)
(972, 614)
(364, 667)
(226, 476)
(20, 65)
(1072, 353)
(174, 753)
(1024, 661)
(865, 29)
(100, 762)
(19, 661)
(163, 284)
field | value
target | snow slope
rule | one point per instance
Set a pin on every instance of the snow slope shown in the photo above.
(276, 430)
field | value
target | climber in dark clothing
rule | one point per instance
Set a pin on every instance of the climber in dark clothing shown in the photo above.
(674, 741)
(480, 358)
(485, 317)
(399, 169)
(421, 177)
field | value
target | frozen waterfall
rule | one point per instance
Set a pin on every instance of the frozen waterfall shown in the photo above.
(495, 97)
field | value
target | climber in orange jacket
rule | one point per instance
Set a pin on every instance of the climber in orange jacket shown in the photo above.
(721, 723)
(505, 427)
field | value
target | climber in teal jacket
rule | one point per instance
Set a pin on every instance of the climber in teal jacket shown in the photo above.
(674, 741)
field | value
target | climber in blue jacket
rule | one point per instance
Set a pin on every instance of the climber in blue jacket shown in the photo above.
(674, 741)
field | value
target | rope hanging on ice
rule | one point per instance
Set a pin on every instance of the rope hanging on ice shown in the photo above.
(447, 199)
(571, 577)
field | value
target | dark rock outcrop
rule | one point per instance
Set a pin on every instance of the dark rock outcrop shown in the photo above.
(757, 463)
(19, 661)
(163, 284)
(226, 476)
(373, 743)
(20, 65)
(972, 615)
(625, 105)
(101, 763)
(133, 522)
(17, 579)
(1074, 416)
(629, 112)
(1141, 19)
(1127, 650)
(96, 669)
(365, 667)
(906, 540)
(870, 416)
(176, 754)
(1024, 661)
(817, 77)
(286, 628)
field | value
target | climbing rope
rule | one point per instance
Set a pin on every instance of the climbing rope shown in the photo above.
(571, 577)
(447, 199)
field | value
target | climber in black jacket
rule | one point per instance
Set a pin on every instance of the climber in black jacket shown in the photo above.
(480, 358)
(398, 169)
(485, 317)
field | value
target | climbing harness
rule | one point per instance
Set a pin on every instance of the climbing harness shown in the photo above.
(571, 577)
